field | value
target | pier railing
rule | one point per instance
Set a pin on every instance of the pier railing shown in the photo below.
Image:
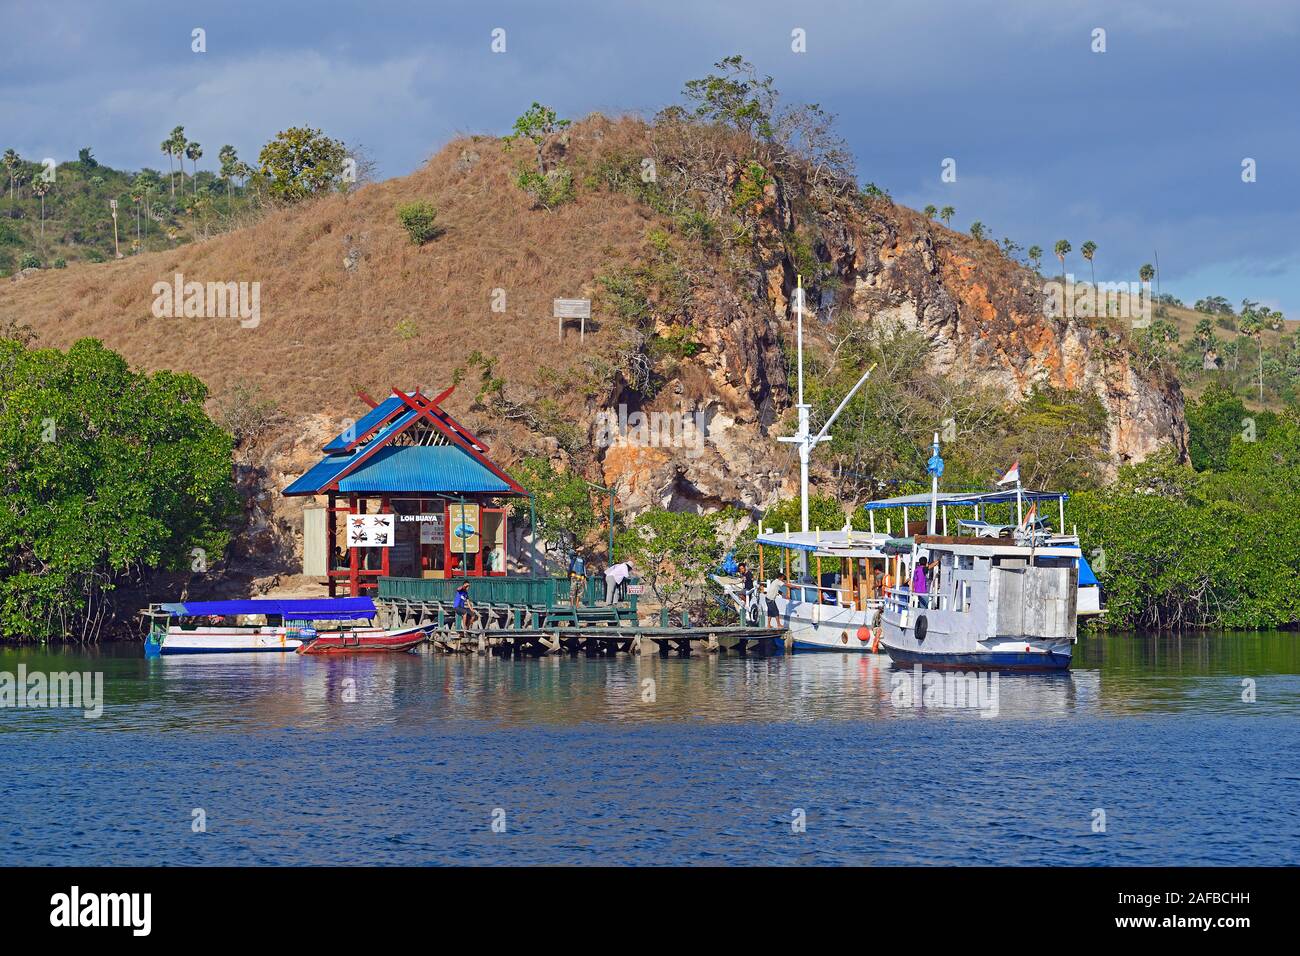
(535, 592)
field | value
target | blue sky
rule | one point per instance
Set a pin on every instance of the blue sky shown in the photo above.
(1138, 148)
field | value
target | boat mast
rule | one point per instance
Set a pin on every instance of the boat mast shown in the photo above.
(935, 467)
(801, 437)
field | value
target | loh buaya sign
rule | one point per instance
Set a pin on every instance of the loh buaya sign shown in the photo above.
(579, 309)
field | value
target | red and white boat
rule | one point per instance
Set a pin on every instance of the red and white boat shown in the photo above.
(363, 641)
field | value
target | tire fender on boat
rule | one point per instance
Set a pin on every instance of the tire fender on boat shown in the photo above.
(922, 625)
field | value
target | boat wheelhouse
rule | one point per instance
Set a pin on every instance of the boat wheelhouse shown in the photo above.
(982, 522)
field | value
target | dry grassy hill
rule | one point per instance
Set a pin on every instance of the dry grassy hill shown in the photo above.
(399, 315)
(348, 302)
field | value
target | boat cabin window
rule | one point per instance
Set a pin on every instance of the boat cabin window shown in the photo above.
(965, 562)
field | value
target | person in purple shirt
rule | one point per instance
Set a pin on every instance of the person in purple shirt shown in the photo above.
(919, 584)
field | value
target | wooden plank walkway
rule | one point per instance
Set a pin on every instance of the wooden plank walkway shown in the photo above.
(521, 629)
(602, 641)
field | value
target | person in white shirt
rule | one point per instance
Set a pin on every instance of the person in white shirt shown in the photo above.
(615, 578)
(773, 591)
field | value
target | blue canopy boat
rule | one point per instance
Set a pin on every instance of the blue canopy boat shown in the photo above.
(254, 624)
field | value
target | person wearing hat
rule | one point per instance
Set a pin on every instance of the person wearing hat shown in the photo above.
(462, 607)
(577, 579)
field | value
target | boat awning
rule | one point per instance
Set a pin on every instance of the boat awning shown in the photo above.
(836, 544)
(301, 609)
(958, 498)
(1086, 576)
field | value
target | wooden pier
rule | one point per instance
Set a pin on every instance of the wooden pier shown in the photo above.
(522, 630)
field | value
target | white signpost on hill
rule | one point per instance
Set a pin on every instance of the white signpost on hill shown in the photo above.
(579, 309)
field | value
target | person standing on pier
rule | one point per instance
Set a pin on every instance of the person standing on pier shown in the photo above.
(616, 581)
(773, 591)
(747, 587)
(577, 579)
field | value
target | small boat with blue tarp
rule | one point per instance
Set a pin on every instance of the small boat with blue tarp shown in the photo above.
(276, 625)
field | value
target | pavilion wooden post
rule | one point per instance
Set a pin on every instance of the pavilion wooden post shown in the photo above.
(761, 576)
(330, 534)
(355, 507)
(386, 508)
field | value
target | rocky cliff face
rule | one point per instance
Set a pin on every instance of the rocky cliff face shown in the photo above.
(983, 315)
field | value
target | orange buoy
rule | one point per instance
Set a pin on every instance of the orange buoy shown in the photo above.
(864, 634)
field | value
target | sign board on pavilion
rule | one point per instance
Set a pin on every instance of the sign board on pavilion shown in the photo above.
(464, 523)
(370, 531)
(579, 309)
(636, 589)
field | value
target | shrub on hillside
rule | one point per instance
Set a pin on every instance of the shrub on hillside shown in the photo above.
(549, 189)
(29, 260)
(419, 219)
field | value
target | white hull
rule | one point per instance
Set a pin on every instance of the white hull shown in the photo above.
(228, 640)
(826, 627)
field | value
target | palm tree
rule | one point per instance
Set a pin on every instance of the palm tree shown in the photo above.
(1147, 272)
(1204, 332)
(946, 214)
(930, 212)
(977, 230)
(1035, 255)
(11, 161)
(39, 188)
(178, 148)
(1089, 249)
(229, 165)
(1062, 250)
(194, 151)
(1252, 324)
(166, 147)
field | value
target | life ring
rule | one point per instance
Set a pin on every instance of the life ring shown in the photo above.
(922, 625)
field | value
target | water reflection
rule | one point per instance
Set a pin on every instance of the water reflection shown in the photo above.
(1113, 675)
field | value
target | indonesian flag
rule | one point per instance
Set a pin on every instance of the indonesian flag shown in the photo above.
(1030, 515)
(1012, 476)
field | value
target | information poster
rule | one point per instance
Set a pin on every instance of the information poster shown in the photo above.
(370, 531)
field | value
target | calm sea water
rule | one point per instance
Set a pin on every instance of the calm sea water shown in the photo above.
(411, 759)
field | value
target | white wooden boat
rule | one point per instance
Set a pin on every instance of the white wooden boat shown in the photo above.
(833, 607)
(994, 604)
(255, 625)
